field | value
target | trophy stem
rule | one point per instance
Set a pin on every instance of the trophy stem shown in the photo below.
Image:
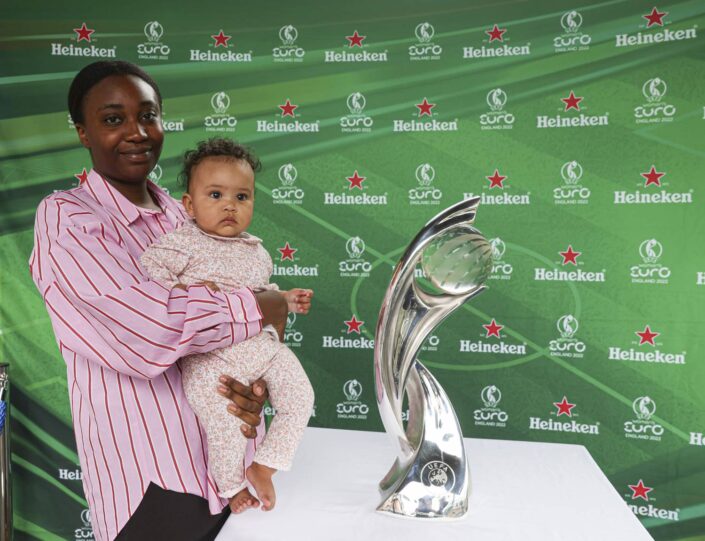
(435, 480)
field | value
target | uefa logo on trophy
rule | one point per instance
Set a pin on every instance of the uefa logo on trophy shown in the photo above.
(430, 476)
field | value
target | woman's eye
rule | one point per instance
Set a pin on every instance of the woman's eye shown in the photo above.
(112, 120)
(151, 116)
(215, 195)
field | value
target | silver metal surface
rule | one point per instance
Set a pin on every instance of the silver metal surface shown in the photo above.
(5, 478)
(430, 476)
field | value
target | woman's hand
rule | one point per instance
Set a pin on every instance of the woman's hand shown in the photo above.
(246, 402)
(298, 300)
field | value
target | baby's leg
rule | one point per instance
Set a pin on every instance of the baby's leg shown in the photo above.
(226, 444)
(291, 394)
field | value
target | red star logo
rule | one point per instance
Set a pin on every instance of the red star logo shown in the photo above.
(496, 33)
(496, 180)
(640, 490)
(221, 39)
(564, 407)
(493, 329)
(652, 177)
(425, 107)
(655, 17)
(570, 256)
(83, 33)
(82, 176)
(571, 102)
(647, 336)
(355, 181)
(354, 325)
(288, 108)
(287, 252)
(355, 40)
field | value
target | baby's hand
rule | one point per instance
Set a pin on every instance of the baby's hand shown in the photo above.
(298, 300)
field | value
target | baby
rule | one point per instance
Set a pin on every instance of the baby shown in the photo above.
(216, 250)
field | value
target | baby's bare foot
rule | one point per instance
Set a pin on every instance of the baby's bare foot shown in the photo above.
(242, 501)
(261, 478)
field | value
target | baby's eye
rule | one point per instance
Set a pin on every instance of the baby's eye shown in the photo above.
(242, 197)
(215, 195)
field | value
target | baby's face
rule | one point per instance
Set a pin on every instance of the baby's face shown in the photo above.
(221, 196)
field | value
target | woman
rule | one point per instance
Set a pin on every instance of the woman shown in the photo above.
(141, 448)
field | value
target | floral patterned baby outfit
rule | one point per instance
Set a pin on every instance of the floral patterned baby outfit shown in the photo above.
(191, 256)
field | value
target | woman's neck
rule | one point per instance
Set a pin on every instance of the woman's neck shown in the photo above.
(136, 193)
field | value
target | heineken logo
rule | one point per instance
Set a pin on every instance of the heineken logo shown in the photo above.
(220, 50)
(497, 46)
(567, 117)
(657, 34)
(640, 491)
(81, 49)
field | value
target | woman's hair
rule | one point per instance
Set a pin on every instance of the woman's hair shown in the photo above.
(93, 73)
(220, 147)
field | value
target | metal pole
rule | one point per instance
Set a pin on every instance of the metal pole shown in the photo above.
(5, 478)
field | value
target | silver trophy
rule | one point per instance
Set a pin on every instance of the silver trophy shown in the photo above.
(430, 476)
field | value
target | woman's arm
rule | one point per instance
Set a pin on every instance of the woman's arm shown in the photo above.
(104, 308)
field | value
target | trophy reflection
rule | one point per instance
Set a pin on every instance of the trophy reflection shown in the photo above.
(430, 476)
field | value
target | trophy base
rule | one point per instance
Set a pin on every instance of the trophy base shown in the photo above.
(434, 481)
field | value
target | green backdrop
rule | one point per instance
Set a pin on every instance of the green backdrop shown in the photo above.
(425, 104)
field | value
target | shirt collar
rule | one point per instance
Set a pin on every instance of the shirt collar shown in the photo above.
(119, 206)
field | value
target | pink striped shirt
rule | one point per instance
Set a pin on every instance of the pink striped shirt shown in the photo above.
(121, 334)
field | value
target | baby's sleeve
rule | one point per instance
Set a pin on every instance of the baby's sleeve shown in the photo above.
(164, 261)
(266, 262)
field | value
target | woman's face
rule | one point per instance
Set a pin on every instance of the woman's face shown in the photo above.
(122, 128)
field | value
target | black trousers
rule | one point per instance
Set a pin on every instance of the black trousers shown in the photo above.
(172, 516)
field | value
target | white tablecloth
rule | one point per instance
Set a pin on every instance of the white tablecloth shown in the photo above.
(521, 491)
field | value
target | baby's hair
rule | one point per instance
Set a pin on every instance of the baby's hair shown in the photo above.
(216, 147)
(94, 73)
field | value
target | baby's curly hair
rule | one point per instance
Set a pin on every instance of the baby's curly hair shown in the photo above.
(216, 147)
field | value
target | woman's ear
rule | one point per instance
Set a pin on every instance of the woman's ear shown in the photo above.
(188, 203)
(81, 131)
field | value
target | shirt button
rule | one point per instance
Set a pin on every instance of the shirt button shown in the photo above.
(239, 315)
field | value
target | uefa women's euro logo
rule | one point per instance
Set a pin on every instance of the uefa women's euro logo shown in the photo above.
(220, 120)
(288, 51)
(425, 49)
(357, 121)
(572, 38)
(288, 193)
(571, 192)
(654, 110)
(496, 118)
(425, 193)
(650, 271)
(153, 48)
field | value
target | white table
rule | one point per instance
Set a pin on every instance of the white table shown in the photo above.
(521, 491)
